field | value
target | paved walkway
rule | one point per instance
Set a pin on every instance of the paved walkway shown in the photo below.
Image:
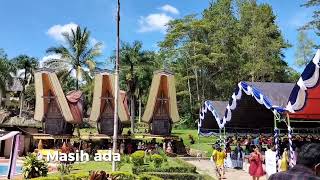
(206, 167)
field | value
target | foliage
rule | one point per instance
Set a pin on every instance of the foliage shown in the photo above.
(176, 176)
(122, 175)
(64, 169)
(30, 95)
(169, 169)
(77, 56)
(315, 22)
(78, 176)
(304, 49)
(33, 167)
(102, 175)
(125, 159)
(137, 158)
(28, 65)
(137, 66)
(148, 177)
(157, 160)
(6, 68)
(212, 53)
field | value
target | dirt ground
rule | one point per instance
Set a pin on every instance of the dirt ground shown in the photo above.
(206, 167)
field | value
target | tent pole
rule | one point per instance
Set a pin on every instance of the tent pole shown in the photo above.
(276, 139)
(220, 136)
(224, 136)
(291, 152)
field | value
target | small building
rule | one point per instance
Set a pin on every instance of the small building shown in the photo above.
(59, 113)
(161, 110)
(102, 112)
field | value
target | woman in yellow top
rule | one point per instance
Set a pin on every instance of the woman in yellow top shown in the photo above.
(284, 161)
(219, 159)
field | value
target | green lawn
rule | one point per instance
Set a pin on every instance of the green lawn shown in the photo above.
(203, 143)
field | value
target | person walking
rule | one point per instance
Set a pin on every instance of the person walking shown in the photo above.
(256, 169)
(307, 167)
(219, 160)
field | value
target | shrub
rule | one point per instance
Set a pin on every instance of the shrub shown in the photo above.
(148, 177)
(142, 169)
(137, 158)
(177, 176)
(64, 169)
(46, 178)
(124, 160)
(34, 167)
(122, 175)
(157, 160)
(163, 154)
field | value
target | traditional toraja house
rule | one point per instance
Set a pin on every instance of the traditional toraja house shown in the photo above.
(59, 113)
(103, 104)
(161, 110)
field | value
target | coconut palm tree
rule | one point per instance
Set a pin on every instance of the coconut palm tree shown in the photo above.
(75, 55)
(27, 65)
(134, 61)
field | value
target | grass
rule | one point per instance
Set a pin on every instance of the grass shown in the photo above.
(203, 144)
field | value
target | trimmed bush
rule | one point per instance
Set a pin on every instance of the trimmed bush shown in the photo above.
(79, 176)
(122, 175)
(141, 169)
(148, 177)
(157, 160)
(176, 176)
(137, 158)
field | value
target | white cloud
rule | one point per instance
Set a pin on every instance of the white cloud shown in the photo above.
(56, 31)
(154, 22)
(170, 9)
(48, 57)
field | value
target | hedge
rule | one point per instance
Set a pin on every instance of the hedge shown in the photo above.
(177, 176)
(123, 175)
(141, 169)
(79, 176)
(148, 177)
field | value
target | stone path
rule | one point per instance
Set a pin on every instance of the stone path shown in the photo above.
(206, 167)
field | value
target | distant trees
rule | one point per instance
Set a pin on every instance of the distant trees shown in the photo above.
(27, 65)
(304, 50)
(211, 54)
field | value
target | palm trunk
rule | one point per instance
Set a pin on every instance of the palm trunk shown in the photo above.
(22, 93)
(77, 126)
(139, 109)
(132, 107)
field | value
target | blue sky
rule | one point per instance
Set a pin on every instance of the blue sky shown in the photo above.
(30, 27)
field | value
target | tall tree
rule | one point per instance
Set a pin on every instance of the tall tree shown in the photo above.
(76, 54)
(261, 43)
(304, 49)
(6, 70)
(135, 62)
(27, 65)
(315, 22)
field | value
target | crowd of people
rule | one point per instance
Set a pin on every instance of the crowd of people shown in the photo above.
(255, 152)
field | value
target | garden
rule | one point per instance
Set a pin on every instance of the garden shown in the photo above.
(138, 165)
